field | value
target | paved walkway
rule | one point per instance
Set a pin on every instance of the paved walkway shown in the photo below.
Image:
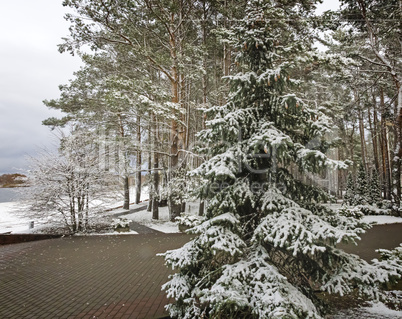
(140, 229)
(116, 276)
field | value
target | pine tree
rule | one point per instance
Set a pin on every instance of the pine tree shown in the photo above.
(350, 190)
(266, 244)
(374, 189)
(362, 193)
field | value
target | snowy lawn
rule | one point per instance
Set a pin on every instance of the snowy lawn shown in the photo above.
(15, 217)
(11, 219)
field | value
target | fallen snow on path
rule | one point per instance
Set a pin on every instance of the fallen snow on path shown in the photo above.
(162, 224)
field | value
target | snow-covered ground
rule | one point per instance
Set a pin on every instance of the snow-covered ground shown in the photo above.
(382, 220)
(162, 224)
(376, 310)
(15, 217)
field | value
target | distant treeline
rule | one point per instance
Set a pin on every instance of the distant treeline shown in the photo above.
(12, 180)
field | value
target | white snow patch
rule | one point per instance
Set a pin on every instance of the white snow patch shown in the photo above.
(382, 219)
(13, 218)
(377, 310)
(131, 232)
(380, 308)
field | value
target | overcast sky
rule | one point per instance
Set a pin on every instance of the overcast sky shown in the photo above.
(31, 69)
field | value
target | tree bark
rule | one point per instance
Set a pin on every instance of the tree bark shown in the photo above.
(126, 204)
(174, 207)
(397, 156)
(373, 130)
(201, 208)
(155, 173)
(385, 150)
(155, 197)
(361, 131)
(138, 163)
(126, 186)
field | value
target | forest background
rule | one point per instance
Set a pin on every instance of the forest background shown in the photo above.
(152, 68)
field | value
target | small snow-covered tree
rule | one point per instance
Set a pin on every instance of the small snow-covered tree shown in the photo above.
(374, 188)
(69, 181)
(362, 192)
(266, 243)
(350, 190)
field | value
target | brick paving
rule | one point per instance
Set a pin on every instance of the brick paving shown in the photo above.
(116, 276)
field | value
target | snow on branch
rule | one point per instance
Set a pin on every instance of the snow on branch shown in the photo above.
(349, 270)
(300, 231)
(252, 284)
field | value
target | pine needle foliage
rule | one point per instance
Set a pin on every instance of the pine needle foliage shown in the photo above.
(266, 244)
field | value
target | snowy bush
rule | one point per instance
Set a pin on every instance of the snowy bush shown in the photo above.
(372, 210)
(353, 212)
(384, 204)
(120, 223)
(186, 221)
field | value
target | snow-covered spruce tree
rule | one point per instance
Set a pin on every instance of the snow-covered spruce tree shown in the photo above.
(350, 190)
(362, 192)
(374, 188)
(266, 244)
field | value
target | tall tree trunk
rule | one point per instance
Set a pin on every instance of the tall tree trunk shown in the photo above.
(138, 163)
(397, 155)
(204, 87)
(174, 207)
(126, 186)
(373, 131)
(155, 173)
(150, 151)
(201, 208)
(351, 147)
(385, 149)
(361, 131)
(87, 206)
